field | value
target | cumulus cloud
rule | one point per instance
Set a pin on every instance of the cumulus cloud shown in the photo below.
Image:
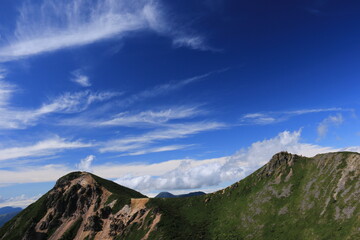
(334, 120)
(186, 176)
(265, 118)
(46, 147)
(80, 78)
(260, 152)
(183, 173)
(85, 164)
(50, 25)
(194, 174)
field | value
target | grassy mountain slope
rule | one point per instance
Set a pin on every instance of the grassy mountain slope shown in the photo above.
(291, 197)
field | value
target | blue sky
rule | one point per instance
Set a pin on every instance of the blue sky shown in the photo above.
(171, 95)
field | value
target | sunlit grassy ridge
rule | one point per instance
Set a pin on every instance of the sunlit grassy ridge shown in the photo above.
(286, 201)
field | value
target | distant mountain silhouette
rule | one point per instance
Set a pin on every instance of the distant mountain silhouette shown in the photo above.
(170, 195)
(7, 213)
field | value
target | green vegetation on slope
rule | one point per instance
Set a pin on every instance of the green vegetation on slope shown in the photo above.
(292, 202)
(121, 194)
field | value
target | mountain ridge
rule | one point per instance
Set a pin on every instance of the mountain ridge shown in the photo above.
(290, 197)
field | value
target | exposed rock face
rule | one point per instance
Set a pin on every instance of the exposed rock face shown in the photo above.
(278, 163)
(79, 207)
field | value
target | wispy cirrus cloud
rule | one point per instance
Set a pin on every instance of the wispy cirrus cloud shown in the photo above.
(142, 119)
(167, 88)
(80, 78)
(6, 92)
(157, 149)
(49, 25)
(66, 103)
(265, 118)
(3, 72)
(45, 147)
(333, 120)
(159, 125)
(74, 102)
(134, 144)
(152, 117)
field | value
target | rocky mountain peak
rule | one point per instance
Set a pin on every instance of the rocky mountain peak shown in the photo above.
(279, 162)
(84, 206)
(75, 177)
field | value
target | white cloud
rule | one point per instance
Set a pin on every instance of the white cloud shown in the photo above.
(265, 118)
(323, 127)
(186, 176)
(181, 174)
(3, 73)
(46, 147)
(74, 102)
(33, 174)
(152, 117)
(51, 172)
(156, 150)
(66, 103)
(149, 118)
(260, 152)
(231, 168)
(6, 91)
(80, 78)
(172, 131)
(195, 42)
(19, 201)
(50, 25)
(85, 164)
(145, 118)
